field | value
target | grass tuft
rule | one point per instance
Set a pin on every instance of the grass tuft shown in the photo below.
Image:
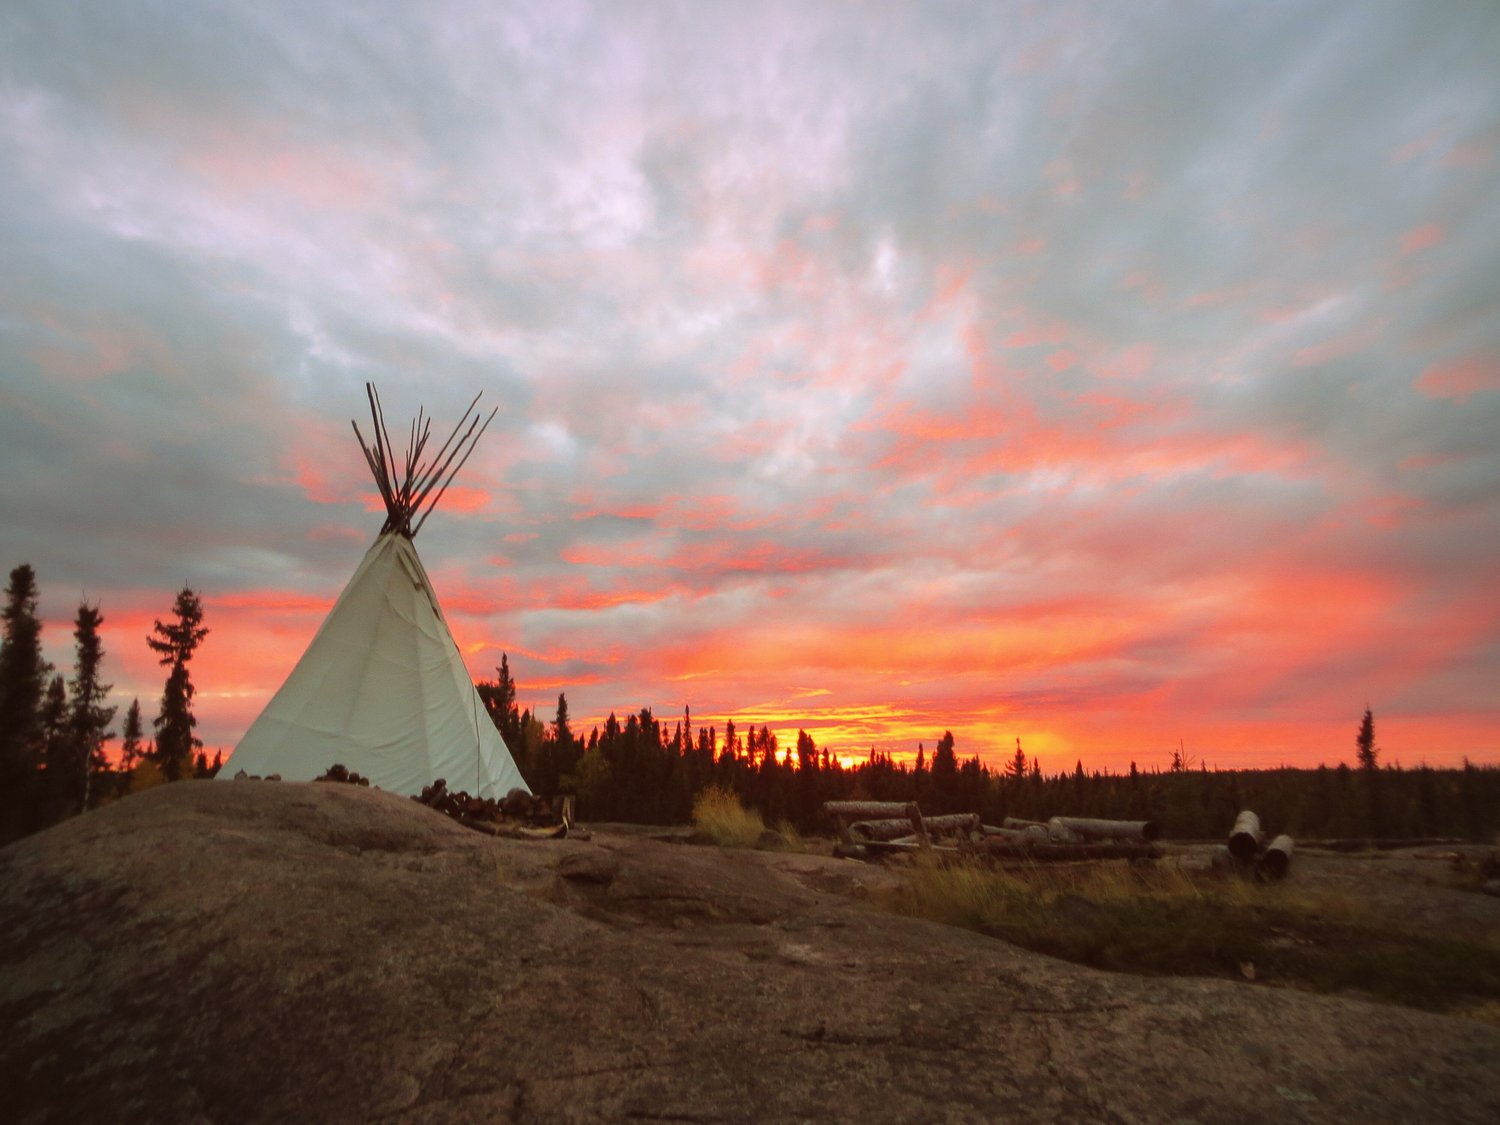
(718, 814)
(1166, 921)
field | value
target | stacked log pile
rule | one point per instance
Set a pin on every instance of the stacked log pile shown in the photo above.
(1073, 837)
(871, 829)
(518, 813)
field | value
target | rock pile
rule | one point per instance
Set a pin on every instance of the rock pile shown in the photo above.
(337, 772)
(518, 812)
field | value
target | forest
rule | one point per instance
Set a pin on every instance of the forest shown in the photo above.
(55, 730)
(648, 770)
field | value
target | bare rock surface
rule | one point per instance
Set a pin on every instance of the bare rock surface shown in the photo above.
(276, 952)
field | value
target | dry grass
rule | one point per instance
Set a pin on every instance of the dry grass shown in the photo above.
(718, 814)
(1163, 920)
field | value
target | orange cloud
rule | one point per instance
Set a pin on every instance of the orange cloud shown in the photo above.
(459, 498)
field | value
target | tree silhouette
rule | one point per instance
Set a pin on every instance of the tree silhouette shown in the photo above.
(57, 753)
(499, 698)
(89, 721)
(1016, 767)
(945, 797)
(1364, 742)
(174, 645)
(23, 679)
(130, 737)
(1366, 749)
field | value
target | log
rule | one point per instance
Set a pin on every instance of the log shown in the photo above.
(865, 810)
(951, 824)
(1006, 833)
(1273, 864)
(1143, 831)
(1016, 824)
(863, 830)
(1036, 834)
(1245, 837)
(1059, 833)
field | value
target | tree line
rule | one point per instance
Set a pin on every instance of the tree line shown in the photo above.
(647, 770)
(53, 728)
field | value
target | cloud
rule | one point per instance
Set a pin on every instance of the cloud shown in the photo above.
(1094, 376)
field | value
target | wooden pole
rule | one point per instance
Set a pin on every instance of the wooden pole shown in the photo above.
(461, 462)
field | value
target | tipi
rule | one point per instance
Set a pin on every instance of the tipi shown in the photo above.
(382, 688)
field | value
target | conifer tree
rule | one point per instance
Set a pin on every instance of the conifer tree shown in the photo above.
(88, 724)
(130, 737)
(1364, 742)
(500, 701)
(1016, 767)
(57, 751)
(945, 775)
(174, 645)
(23, 679)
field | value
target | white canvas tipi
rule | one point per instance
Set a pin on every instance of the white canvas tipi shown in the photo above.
(382, 688)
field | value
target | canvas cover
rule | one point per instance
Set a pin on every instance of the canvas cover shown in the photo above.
(383, 691)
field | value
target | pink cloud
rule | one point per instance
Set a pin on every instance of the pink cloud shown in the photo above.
(1422, 238)
(1460, 379)
(460, 498)
(1357, 339)
(1134, 362)
(1038, 331)
(319, 485)
(1414, 148)
(252, 158)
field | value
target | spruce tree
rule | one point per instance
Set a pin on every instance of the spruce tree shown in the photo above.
(89, 722)
(174, 645)
(500, 701)
(130, 737)
(23, 679)
(945, 775)
(1016, 767)
(1364, 742)
(57, 748)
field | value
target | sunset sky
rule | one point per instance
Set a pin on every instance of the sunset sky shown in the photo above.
(1111, 376)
